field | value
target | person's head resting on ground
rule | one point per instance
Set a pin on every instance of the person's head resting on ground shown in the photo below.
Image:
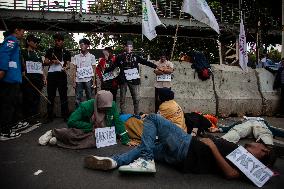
(128, 46)
(166, 94)
(17, 30)
(262, 152)
(32, 41)
(107, 52)
(84, 45)
(58, 40)
(104, 100)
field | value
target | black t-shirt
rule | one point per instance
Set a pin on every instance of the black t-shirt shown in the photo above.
(200, 158)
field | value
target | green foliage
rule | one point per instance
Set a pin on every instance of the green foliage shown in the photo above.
(48, 42)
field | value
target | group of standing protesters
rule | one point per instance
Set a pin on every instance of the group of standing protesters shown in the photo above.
(22, 75)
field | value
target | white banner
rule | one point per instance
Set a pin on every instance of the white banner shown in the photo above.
(84, 72)
(149, 20)
(164, 77)
(56, 67)
(34, 67)
(105, 136)
(200, 10)
(258, 173)
(131, 74)
(108, 76)
(243, 57)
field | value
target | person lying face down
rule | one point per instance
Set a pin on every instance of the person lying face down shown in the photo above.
(95, 113)
(177, 148)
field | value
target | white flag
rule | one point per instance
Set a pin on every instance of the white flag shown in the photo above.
(149, 20)
(200, 10)
(243, 58)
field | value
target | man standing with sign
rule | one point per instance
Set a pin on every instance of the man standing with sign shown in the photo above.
(128, 62)
(34, 72)
(58, 60)
(106, 79)
(84, 73)
(176, 147)
(163, 77)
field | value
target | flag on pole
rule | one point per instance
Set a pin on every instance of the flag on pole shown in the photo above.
(200, 10)
(149, 20)
(243, 58)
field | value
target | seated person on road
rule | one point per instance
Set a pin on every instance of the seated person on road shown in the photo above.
(95, 113)
(179, 149)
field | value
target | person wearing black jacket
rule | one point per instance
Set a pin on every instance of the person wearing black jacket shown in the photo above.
(58, 61)
(279, 83)
(128, 62)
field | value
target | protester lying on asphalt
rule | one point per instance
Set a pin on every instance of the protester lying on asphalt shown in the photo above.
(95, 113)
(254, 126)
(182, 150)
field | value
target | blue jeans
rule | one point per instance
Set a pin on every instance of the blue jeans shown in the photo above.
(171, 148)
(80, 86)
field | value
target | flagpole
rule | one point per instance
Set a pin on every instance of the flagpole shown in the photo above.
(175, 38)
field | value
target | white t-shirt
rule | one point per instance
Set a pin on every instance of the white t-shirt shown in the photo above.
(84, 63)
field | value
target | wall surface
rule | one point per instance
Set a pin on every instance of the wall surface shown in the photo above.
(230, 92)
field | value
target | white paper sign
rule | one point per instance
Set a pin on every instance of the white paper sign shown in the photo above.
(108, 76)
(85, 72)
(258, 173)
(56, 67)
(34, 67)
(13, 64)
(164, 77)
(105, 136)
(131, 74)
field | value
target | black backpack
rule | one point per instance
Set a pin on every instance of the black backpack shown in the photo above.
(201, 66)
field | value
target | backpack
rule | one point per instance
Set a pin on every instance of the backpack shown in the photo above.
(201, 66)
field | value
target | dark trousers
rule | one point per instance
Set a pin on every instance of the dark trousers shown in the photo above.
(31, 98)
(157, 101)
(282, 101)
(57, 80)
(10, 98)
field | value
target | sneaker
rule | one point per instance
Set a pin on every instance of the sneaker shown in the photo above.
(99, 163)
(44, 139)
(9, 136)
(140, 165)
(52, 141)
(20, 126)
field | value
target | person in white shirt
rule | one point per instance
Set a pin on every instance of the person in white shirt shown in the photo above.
(84, 72)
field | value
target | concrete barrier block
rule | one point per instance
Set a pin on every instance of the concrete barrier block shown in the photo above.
(271, 98)
(237, 91)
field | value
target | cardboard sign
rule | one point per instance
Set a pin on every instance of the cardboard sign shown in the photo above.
(34, 67)
(164, 77)
(56, 67)
(105, 136)
(258, 173)
(131, 74)
(85, 72)
(108, 76)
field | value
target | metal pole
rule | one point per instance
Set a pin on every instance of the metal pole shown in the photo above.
(81, 7)
(282, 49)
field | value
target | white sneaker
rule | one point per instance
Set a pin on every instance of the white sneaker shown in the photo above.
(44, 139)
(20, 126)
(9, 136)
(52, 141)
(99, 163)
(139, 165)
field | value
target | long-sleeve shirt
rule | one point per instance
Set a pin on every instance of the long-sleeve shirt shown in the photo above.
(81, 118)
(127, 61)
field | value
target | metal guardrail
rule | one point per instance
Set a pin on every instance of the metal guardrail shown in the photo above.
(227, 13)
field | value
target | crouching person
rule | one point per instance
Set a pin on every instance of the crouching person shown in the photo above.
(95, 113)
(179, 149)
